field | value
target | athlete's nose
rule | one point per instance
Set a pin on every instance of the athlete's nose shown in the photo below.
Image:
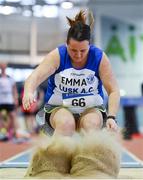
(78, 54)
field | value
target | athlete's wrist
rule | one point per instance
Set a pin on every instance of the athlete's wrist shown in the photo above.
(112, 117)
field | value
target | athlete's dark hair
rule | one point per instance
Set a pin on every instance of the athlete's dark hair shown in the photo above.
(79, 30)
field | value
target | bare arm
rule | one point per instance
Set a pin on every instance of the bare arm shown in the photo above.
(110, 84)
(48, 66)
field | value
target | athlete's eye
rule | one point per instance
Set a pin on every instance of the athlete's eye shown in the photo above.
(73, 50)
(84, 50)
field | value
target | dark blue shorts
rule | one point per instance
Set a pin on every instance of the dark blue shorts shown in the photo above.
(7, 107)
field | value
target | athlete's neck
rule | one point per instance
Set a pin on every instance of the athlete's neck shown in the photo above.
(79, 65)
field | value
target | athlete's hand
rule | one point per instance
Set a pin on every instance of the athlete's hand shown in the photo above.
(112, 125)
(28, 100)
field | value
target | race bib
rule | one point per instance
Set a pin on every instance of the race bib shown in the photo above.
(79, 100)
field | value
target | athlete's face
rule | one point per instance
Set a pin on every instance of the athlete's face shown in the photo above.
(78, 50)
(3, 67)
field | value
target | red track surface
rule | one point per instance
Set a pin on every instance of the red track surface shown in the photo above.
(135, 146)
(9, 149)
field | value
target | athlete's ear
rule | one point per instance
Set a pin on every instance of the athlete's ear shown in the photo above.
(66, 45)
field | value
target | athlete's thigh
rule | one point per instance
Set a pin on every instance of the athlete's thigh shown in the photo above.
(61, 114)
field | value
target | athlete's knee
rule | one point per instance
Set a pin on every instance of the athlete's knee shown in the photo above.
(63, 122)
(91, 121)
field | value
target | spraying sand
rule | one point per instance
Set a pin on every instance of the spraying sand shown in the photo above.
(91, 155)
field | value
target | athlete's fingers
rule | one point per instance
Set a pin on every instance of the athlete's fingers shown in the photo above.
(32, 100)
(26, 106)
(114, 127)
(26, 103)
(111, 125)
(108, 125)
(28, 100)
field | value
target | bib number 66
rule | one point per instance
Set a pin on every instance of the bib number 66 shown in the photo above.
(79, 102)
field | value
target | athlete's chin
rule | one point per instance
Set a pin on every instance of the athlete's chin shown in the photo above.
(78, 60)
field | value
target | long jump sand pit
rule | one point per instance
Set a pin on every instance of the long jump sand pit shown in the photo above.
(94, 155)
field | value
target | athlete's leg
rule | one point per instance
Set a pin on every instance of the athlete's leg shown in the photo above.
(91, 119)
(13, 124)
(63, 121)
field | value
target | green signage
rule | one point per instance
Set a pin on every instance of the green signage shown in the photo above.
(114, 47)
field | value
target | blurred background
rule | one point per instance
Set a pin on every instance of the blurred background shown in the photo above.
(29, 29)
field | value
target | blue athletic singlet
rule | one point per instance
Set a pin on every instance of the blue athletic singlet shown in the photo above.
(76, 89)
